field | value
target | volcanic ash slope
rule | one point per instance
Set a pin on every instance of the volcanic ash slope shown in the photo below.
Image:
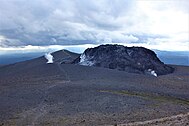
(62, 93)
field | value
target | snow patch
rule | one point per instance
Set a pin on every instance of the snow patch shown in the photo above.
(85, 61)
(49, 57)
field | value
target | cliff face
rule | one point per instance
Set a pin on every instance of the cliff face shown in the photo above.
(129, 59)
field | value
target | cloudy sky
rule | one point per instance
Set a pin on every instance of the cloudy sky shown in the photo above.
(157, 24)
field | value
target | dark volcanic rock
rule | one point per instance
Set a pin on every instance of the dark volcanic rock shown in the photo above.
(129, 59)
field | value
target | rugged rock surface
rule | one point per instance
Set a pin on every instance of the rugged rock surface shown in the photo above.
(129, 59)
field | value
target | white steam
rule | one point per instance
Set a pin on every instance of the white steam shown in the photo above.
(152, 72)
(49, 57)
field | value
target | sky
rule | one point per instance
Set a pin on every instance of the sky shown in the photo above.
(37, 24)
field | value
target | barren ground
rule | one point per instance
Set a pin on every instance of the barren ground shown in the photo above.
(36, 93)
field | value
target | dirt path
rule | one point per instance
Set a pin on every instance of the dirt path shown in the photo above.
(177, 120)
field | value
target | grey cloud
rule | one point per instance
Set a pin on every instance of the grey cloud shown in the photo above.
(39, 22)
(67, 22)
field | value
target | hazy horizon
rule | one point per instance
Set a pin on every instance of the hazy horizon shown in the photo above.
(13, 55)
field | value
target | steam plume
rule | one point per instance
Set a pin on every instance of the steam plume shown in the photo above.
(49, 57)
(152, 72)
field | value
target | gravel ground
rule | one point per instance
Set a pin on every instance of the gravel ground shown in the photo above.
(36, 93)
(177, 120)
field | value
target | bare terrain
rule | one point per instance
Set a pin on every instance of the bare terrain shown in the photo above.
(35, 93)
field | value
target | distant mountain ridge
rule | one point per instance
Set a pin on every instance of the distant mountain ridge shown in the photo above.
(130, 59)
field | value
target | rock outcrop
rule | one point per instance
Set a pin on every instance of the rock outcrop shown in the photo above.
(130, 59)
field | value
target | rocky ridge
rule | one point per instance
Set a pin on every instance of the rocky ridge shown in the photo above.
(130, 59)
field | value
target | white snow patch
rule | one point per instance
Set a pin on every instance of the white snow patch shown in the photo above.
(85, 61)
(49, 57)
